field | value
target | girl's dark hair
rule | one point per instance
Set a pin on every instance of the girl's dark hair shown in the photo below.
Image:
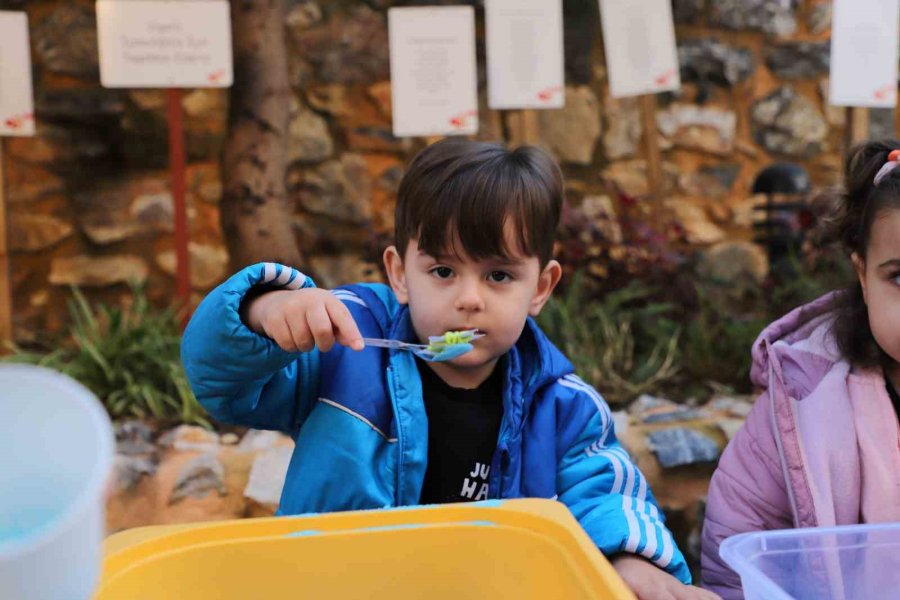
(856, 208)
(464, 190)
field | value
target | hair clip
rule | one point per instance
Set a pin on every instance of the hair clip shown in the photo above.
(893, 159)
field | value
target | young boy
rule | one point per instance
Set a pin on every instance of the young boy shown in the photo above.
(475, 225)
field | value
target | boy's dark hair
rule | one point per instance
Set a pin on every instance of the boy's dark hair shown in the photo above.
(468, 189)
(856, 208)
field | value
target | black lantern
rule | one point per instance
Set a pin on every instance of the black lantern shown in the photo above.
(786, 214)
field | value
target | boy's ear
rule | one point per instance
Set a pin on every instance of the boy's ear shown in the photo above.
(396, 272)
(546, 283)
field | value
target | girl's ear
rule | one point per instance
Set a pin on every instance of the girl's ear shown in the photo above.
(859, 265)
(396, 272)
(547, 281)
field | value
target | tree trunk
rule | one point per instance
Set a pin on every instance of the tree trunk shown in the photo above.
(256, 216)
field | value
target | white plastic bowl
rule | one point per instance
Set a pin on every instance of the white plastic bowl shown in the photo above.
(56, 450)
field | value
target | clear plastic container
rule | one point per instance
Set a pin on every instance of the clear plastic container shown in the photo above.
(851, 562)
(56, 451)
(523, 549)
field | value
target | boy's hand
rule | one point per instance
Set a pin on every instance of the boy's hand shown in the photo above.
(298, 320)
(649, 582)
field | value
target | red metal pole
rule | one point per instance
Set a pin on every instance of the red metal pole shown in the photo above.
(176, 168)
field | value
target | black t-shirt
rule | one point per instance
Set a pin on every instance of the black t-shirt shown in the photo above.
(463, 426)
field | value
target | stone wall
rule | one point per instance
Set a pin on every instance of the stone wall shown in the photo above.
(89, 202)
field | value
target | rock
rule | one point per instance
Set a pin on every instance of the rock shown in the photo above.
(308, 138)
(600, 210)
(197, 478)
(581, 22)
(129, 470)
(332, 271)
(836, 115)
(881, 123)
(350, 47)
(148, 99)
(120, 209)
(303, 15)
(97, 271)
(84, 105)
(709, 60)
(190, 438)
(696, 223)
(572, 132)
(697, 128)
(784, 122)
(340, 189)
(621, 422)
(30, 183)
(738, 407)
(66, 41)
(681, 413)
(380, 93)
(258, 440)
(204, 103)
(631, 176)
(777, 17)
(688, 11)
(229, 439)
(134, 438)
(208, 264)
(33, 232)
(267, 475)
(819, 20)
(136, 455)
(332, 99)
(800, 60)
(711, 181)
(623, 128)
(730, 427)
(646, 403)
(60, 148)
(734, 263)
(376, 138)
(681, 446)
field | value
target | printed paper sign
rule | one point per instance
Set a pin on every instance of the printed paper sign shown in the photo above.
(433, 76)
(155, 43)
(525, 60)
(864, 40)
(639, 39)
(16, 100)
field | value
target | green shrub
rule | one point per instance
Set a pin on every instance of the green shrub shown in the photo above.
(620, 343)
(129, 357)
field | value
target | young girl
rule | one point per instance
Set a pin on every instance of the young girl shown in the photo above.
(821, 446)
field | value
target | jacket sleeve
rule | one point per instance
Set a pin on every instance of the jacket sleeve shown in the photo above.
(747, 493)
(607, 493)
(241, 377)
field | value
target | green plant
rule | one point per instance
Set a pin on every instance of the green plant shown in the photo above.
(128, 356)
(622, 343)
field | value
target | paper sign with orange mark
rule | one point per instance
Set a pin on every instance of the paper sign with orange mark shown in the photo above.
(639, 42)
(864, 51)
(525, 54)
(161, 44)
(433, 73)
(16, 100)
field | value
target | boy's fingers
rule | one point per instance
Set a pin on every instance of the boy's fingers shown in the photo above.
(320, 326)
(300, 334)
(344, 325)
(281, 333)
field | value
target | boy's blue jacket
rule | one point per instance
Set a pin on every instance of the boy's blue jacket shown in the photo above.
(360, 427)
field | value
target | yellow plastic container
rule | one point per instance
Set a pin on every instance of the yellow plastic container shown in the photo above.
(519, 549)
